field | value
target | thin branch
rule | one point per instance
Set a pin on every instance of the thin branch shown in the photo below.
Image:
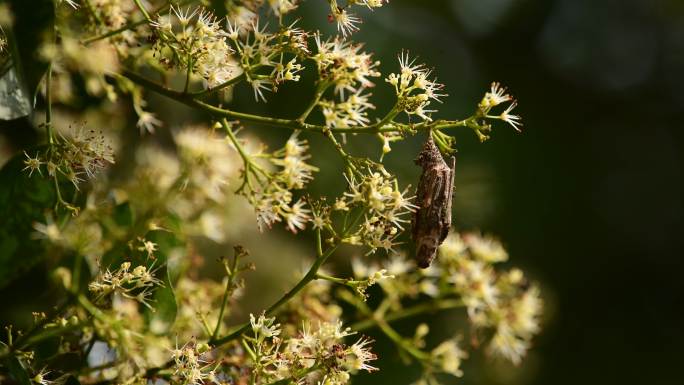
(142, 9)
(424, 308)
(310, 276)
(192, 101)
(320, 90)
(219, 87)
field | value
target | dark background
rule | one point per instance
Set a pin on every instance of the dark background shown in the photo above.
(587, 199)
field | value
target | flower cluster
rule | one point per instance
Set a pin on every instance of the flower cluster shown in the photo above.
(208, 164)
(194, 41)
(385, 208)
(347, 22)
(272, 196)
(113, 13)
(413, 87)
(260, 50)
(181, 198)
(348, 113)
(199, 301)
(191, 363)
(502, 306)
(81, 155)
(281, 7)
(448, 356)
(343, 64)
(315, 353)
(503, 302)
(494, 97)
(136, 284)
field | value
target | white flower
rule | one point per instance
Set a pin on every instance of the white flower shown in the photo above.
(297, 216)
(344, 64)
(452, 247)
(372, 3)
(449, 356)
(359, 355)
(32, 164)
(346, 22)
(266, 212)
(413, 87)
(48, 230)
(525, 311)
(287, 72)
(258, 85)
(485, 248)
(348, 113)
(148, 121)
(513, 120)
(495, 96)
(71, 3)
(281, 7)
(184, 16)
(40, 379)
(264, 326)
(507, 345)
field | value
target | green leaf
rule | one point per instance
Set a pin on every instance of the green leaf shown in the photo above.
(24, 200)
(123, 215)
(17, 370)
(33, 26)
(161, 320)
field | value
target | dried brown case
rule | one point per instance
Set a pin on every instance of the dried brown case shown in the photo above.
(432, 219)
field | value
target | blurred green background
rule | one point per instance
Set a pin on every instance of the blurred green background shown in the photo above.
(587, 199)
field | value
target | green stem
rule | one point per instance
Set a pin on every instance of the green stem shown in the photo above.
(226, 295)
(90, 308)
(92, 12)
(142, 9)
(430, 307)
(320, 90)
(219, 87)
(187, 75)
(390, 115)
(337, 280)
(190, 100)
(48, 100)
(310, 276)
(37, 329)
(401, 342)
(231, 135)
(379, 319)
